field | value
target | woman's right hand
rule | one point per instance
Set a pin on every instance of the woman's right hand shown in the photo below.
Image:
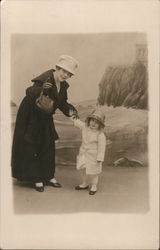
(47, 85)
(46, 88)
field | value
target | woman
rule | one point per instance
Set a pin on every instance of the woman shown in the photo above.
(33, 150)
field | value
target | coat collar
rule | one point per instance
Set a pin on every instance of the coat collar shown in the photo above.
(48, 76)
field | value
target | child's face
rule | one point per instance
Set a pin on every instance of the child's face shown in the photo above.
(93, 124)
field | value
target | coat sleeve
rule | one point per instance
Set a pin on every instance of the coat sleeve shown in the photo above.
(101, 147)
(65, 107)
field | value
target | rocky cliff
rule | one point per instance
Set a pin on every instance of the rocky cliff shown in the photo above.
(125, 86)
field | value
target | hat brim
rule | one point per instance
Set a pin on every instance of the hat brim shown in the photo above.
(96, 118)
(65, 68)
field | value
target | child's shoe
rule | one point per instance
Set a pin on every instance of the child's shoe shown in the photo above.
(93, 190)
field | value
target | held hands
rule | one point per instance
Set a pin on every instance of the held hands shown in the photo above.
(73, 114)
(73, 118)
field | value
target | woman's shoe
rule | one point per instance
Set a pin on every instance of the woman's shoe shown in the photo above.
(39, 189)
(52, 184)
(81, 188)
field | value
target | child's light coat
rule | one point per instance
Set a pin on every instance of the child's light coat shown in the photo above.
(91, 150)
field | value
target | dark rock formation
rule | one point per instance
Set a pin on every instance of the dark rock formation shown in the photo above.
(125, 86)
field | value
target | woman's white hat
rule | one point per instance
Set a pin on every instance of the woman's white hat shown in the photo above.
(68, 63)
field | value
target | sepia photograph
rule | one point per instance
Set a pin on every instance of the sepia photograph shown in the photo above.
(48, 149)
(80, 124)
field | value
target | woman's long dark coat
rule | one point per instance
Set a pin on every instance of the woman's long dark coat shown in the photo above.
(33, 150)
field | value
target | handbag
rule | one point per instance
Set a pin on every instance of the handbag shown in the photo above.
(45, 103)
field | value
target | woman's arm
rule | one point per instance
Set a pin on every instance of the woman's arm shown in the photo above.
(64, 106)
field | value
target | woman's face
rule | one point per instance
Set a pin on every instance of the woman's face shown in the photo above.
(94, 124)
(63, 74)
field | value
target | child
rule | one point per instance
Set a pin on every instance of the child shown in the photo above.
(92, 150)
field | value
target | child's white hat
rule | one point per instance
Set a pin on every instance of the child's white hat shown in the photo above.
(97, 115)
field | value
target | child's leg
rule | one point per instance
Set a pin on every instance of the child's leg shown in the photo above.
(84, 179)
(94, 182)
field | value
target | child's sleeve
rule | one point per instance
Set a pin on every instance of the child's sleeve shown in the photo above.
(101, 147)
(78, 123)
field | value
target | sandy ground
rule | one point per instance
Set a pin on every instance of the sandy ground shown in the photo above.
(121, 190)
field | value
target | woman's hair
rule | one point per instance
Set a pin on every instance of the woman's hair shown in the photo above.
(58, 68)
(87, 121)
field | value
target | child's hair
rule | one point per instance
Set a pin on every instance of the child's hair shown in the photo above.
(87, 121)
